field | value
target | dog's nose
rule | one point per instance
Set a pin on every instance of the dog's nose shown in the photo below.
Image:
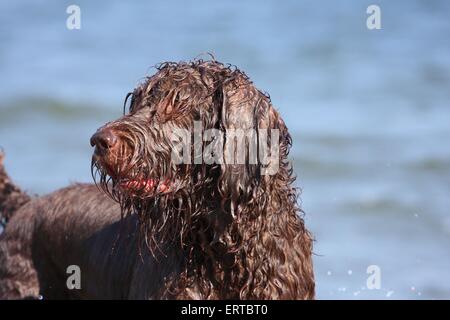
(104, 139)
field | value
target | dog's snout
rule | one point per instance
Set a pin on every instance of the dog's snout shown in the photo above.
(104, 139)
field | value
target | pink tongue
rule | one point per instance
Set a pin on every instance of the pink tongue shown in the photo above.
(145, 185)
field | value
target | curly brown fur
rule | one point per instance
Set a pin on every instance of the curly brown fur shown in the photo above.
(239, 231)
(199, 231)
(11, 196)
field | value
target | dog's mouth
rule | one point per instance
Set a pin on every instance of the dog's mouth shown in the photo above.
(144, 186)
(135, 184)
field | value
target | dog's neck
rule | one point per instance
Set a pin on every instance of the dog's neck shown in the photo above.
(257, 248)
(222, 256)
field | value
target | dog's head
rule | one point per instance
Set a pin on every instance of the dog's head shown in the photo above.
(201, 158)
(198, 136)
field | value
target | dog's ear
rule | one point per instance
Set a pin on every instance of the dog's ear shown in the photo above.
(254, 139)
(262, 201)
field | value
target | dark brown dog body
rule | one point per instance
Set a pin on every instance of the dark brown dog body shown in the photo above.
(190, 230)
(81, 226)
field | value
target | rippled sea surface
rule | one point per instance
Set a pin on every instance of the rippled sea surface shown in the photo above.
(369, 112)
